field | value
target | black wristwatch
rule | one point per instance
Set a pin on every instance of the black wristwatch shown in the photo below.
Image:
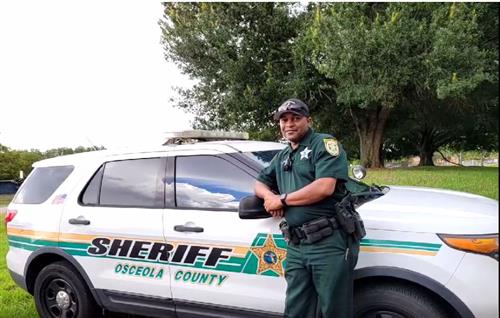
(283, 199)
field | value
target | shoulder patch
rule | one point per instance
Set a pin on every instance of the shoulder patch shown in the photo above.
(332, 146)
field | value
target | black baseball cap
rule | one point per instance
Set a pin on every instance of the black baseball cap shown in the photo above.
(293, 105)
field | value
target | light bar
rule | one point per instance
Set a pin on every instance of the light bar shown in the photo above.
(208, 134)
(204, 135)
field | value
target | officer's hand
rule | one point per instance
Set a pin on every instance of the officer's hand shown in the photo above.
(272, 203)
(277, 213)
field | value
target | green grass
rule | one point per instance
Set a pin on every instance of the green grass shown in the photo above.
(477, 180)
(14, 301)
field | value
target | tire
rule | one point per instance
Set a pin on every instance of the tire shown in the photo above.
(60, 292)
(386, 300)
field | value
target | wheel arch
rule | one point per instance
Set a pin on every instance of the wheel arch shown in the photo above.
(48, 255)
(388, 273)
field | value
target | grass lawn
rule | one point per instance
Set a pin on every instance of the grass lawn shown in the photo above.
(477, 180)
(14, 301)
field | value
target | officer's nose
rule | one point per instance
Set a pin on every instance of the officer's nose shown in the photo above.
(289, 123)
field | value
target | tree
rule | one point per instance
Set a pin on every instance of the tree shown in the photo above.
(424, 128)
(462, 112)
(379, 54)
(247, 61)
(241, 55)
(361, 61)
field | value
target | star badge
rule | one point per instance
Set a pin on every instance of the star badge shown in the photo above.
(304, 154)
(270, 256)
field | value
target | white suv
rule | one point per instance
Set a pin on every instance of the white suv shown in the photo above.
(158, 233)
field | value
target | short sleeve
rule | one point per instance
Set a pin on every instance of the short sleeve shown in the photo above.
(330, 159)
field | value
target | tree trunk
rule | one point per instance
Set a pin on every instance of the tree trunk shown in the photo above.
(370, 125)
(426, 147)
(426, 158)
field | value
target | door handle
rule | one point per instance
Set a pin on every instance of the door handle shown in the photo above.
(183, 228)
(79, 221)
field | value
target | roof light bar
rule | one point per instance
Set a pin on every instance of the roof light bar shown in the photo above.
(191, 136)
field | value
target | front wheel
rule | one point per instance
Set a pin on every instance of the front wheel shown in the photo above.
(60, 292)
(386, 300)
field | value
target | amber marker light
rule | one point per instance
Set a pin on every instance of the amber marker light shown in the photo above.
(486, 244)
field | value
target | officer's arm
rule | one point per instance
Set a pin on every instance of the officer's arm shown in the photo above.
(262, 190)
(314, 192)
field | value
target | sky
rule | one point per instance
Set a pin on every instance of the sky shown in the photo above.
(76, 73)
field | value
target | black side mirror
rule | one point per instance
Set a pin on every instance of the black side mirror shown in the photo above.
(252, 207)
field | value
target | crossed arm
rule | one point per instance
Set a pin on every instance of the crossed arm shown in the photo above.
(314, 192)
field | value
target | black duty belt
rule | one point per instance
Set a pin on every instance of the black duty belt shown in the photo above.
(310, 232)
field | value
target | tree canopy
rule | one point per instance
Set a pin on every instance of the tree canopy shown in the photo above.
(241, 55)
(355, 64)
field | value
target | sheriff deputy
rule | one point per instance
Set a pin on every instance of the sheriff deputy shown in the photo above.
(302, 183)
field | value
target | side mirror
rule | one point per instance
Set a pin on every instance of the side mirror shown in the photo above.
(252, 207)
(358, 172)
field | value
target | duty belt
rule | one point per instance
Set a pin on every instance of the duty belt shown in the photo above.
(310, 232)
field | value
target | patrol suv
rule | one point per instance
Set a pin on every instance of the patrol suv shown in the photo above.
(157, 233)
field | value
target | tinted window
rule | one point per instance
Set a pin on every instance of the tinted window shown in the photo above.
(41, 183)
(136, 183)
(91, 193)
(210, 182)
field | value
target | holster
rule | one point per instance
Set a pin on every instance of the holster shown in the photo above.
(349, 219)
(287, 233)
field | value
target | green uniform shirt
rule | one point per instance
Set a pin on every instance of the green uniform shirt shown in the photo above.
(317, 156)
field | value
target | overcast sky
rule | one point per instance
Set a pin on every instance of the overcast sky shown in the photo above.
(80, 73)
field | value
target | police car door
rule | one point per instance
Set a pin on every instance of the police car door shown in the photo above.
(113, 228)
(218, 258)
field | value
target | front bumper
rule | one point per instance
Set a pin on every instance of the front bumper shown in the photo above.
(475, 282)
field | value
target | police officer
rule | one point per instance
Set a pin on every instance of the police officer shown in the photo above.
(302, 183)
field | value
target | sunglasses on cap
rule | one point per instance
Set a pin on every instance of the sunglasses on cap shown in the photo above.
(290, 105)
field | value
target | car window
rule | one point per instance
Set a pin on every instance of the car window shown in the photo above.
(210, 182)
(91, 192)
(41, 183)
(264, 158)
(134, 183)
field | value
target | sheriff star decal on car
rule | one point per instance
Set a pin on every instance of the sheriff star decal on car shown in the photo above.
(270, 256)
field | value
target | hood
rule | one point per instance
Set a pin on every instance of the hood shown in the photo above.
(431, 210)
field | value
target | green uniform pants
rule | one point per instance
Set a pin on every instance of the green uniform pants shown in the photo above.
(319, 278)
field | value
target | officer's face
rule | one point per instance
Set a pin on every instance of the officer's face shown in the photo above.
(294, 127)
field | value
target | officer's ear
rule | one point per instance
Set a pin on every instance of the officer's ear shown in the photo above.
(309, 121)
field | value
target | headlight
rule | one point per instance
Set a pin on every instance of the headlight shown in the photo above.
(486, 244)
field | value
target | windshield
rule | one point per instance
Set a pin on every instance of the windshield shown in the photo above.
(264, 158)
